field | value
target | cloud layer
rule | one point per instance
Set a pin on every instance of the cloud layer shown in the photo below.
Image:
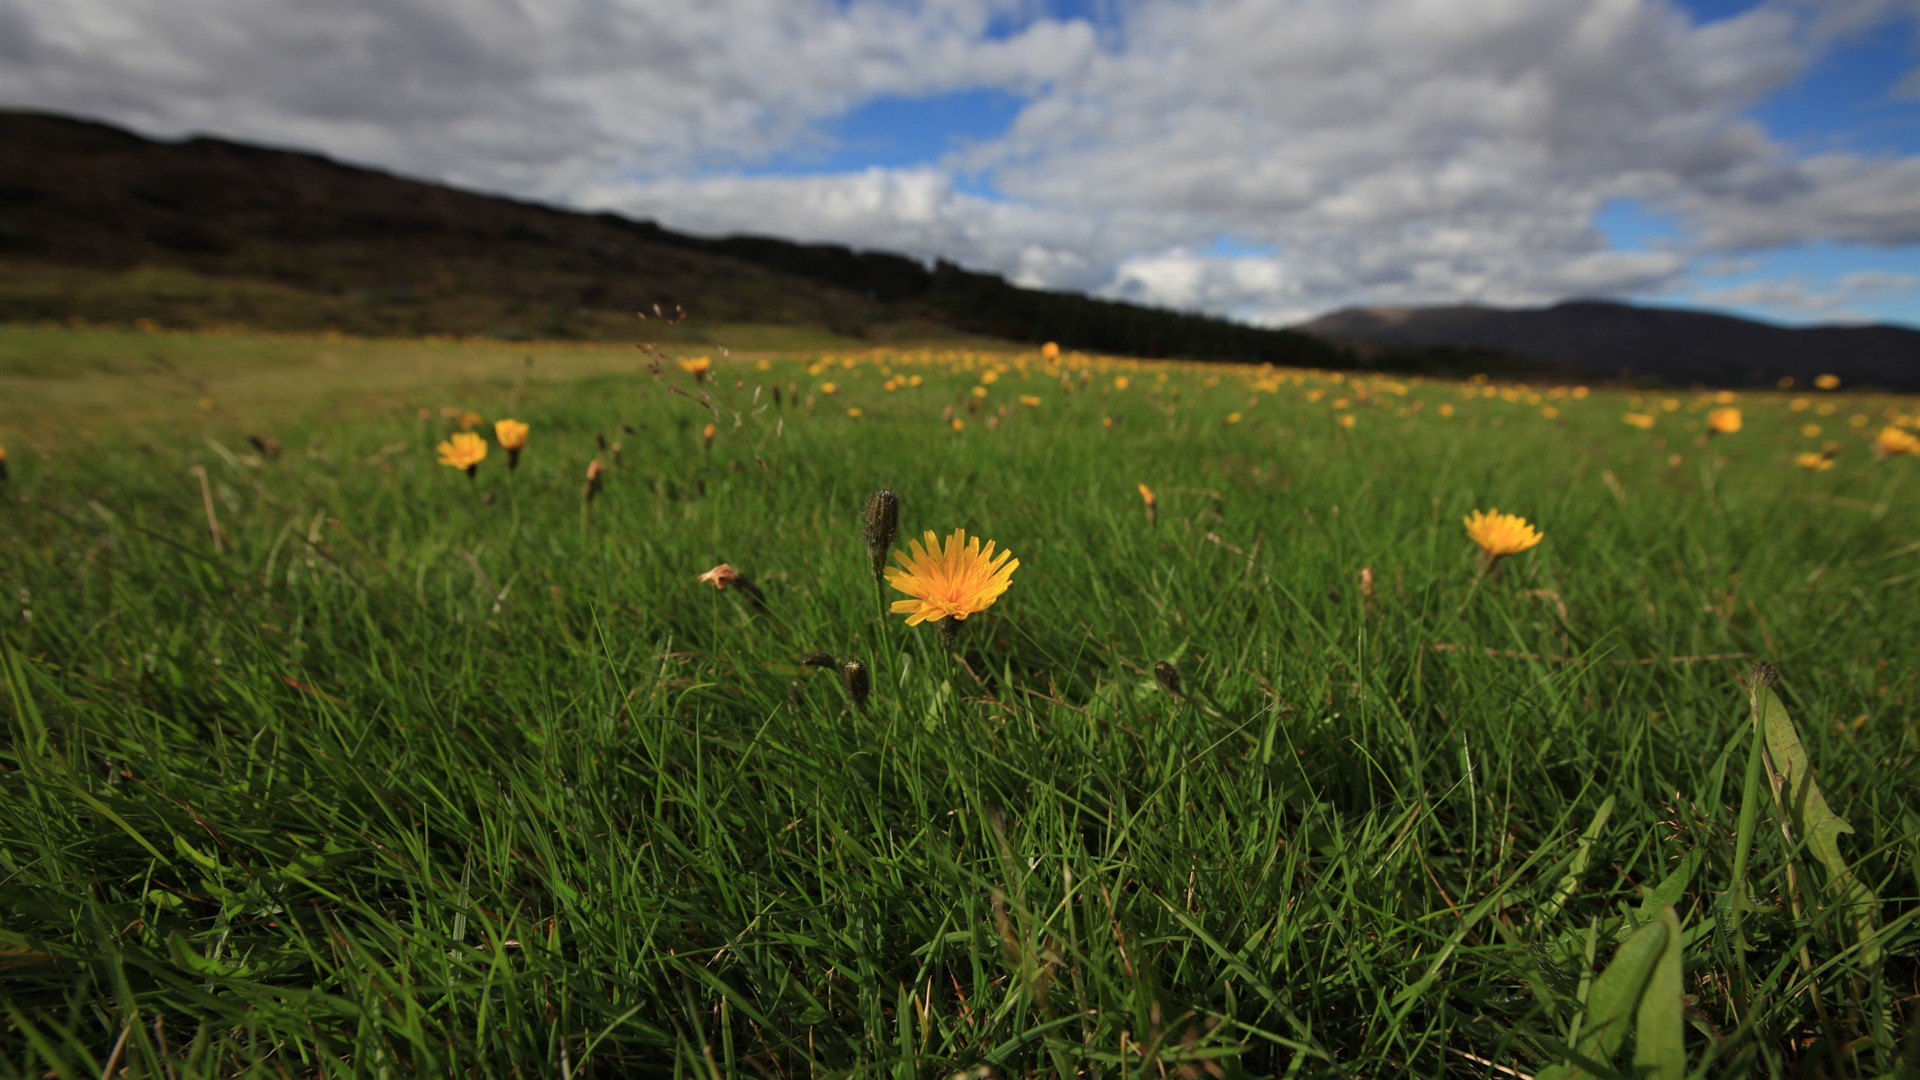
(1385, 151)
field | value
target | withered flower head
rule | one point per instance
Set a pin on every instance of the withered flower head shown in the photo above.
(880, 524)
(819, 659)
(1168, 675)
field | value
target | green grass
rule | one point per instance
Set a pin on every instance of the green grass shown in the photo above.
(418, 775)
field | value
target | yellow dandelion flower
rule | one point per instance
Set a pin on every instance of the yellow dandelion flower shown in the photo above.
(1121, 382)
(1811, 431)
(1799, 404)
(1501, 534)
(511, 434)
(470, 420)
(829, 388)
(707, 433)
(1233, 418)
(1107, 422)
(1345, 420)
(697, 366)
(979, 391)
(1814, 460)
(854, 413)
(958, 424)
(1030, 401)
(1724, 421)
(1827, 382)
(1893, 442)
(1050, 351)
(463, 450)
(1146, 496)
(950, 581)
(1446, 408)
(989, 377)
(1548, 412)
(1641, 420)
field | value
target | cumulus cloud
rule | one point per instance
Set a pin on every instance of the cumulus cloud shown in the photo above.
(1383, 151)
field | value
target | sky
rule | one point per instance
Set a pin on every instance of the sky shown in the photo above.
(1268, 161)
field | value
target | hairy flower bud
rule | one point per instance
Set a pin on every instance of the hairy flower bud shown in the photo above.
(881, 525)
(1168, 675)
(859, 684)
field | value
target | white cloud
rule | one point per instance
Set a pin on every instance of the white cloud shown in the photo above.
(1795, 297)
(1385, 151)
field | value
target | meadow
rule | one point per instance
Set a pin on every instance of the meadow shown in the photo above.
(322, 757)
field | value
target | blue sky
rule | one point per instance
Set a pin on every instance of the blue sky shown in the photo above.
(1269, 161)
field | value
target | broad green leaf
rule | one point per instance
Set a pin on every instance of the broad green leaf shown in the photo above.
(1814, 823)
(1614, 997)
(1659, 1025)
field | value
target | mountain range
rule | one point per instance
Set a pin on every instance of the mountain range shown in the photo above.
(1632, 342)
(101, 224)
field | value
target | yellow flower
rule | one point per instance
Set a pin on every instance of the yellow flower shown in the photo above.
(1724, 421)
(1050, 351)
(1641, 420)
(989, 377)
(854, 412)
(512, 434)
(1345, 420)
(1799, 404)
(1893, 441)
(1811, 431)
(959, 424)
(979, 391)
(829, 388)
(1814, 460)
(706, 435)
(470, 420)
(463, 450)
(1501, 534)
(698, 367)
(950, 582)
(1233, 418)
(1827, 382)
(1446, 409)
(1030, 401)
(1107, 422)
(1121, 382)
(1146, 496)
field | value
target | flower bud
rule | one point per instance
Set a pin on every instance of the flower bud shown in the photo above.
(881, 525)
(859, 684)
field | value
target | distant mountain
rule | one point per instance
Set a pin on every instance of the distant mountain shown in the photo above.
(102, 224)
(1627, 341)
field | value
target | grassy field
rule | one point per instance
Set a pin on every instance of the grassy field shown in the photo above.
(321, 757)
